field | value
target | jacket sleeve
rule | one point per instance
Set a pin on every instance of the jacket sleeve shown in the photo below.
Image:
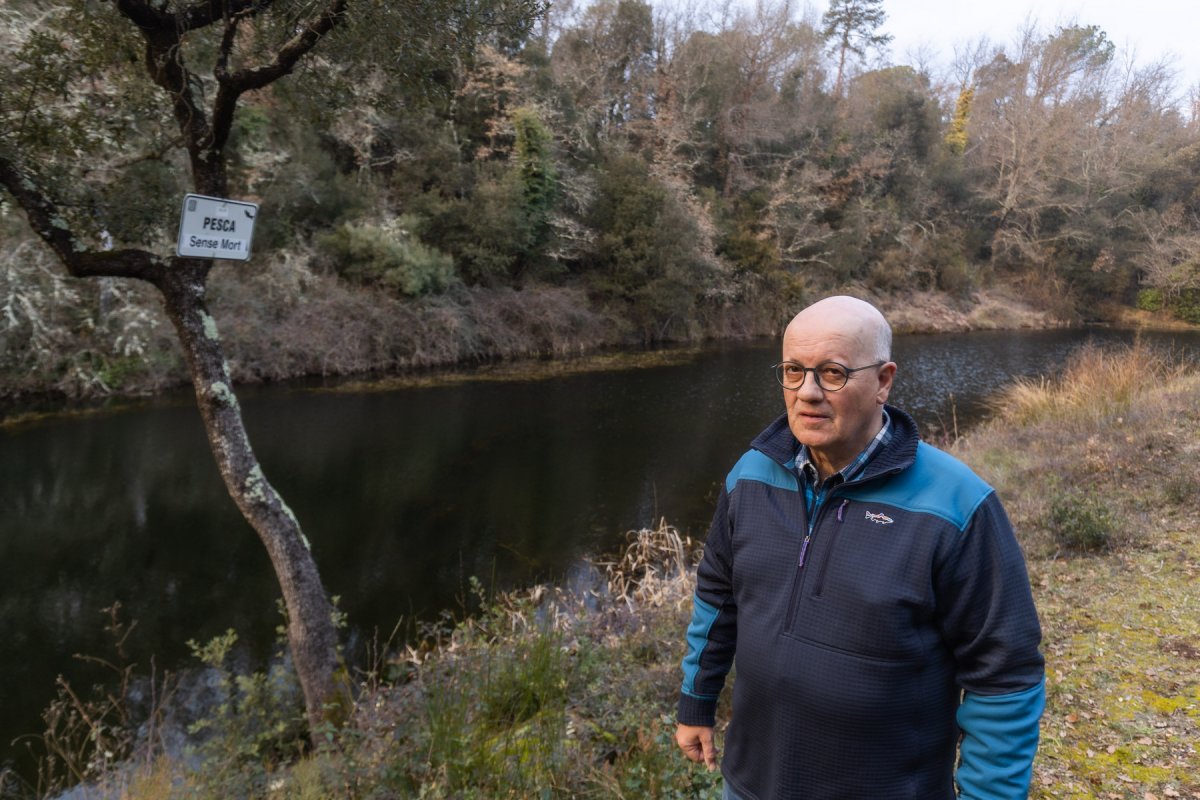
(1000, 738)
(712, 633)
(989, 622)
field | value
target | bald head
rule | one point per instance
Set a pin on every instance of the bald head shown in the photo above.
(847, 318)
(836, 424)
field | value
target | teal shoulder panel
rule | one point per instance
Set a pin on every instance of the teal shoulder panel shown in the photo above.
(755, 466)
(937, 483)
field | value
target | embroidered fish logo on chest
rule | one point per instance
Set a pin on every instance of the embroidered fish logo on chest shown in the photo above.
(879, 519)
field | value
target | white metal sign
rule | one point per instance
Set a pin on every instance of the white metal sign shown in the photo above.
(211, 227)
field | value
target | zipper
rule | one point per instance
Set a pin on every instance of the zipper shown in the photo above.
(819, 587)
(798, 582)
(802, 561)
(808, 536)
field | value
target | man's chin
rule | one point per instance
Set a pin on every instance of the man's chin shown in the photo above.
(811, 431)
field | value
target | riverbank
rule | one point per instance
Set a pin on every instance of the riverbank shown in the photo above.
(571, 691)
(286, 321)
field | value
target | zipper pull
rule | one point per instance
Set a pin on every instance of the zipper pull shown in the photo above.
(842, 509)
(804, 549)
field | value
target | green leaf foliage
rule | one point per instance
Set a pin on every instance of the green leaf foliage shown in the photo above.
(391, 257)
(643, 254)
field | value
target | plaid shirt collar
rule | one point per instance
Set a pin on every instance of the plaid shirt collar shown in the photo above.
(808, 469)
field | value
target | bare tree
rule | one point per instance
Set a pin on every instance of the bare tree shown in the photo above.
(728, 97)
(1170, 261)
(1036, 136)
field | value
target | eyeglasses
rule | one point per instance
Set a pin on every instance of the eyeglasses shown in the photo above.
(829, 375)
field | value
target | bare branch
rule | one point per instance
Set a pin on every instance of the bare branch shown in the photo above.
(232, 86)
(205, 13)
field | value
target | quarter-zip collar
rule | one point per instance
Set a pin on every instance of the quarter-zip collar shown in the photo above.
(816, 491)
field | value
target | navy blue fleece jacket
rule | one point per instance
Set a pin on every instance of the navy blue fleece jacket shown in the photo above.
(908, 625)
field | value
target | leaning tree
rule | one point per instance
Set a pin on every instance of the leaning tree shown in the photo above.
(94, 91)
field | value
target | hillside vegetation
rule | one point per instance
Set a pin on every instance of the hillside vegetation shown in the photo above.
(591, 175)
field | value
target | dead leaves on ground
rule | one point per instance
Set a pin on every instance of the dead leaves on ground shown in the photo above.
(1122, 645)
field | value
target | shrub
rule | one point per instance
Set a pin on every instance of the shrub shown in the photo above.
(891, 272)
(1181, 490)
(487, 230)
(1081, 522)
(309, 191)
(77, 337)
(746, 241)
(257, 723)
(534, 151)
(644, 256)
(1186, 306)
(388, 256)
(1150, 300)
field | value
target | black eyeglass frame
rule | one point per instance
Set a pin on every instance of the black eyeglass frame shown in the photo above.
(777, 369)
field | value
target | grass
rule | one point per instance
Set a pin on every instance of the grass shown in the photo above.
(555, 694)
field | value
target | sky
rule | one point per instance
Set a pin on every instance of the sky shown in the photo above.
(1149, 29)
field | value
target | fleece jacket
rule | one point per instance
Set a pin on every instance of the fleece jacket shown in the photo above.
(892, 653)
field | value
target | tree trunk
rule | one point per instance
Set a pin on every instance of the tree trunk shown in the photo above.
(843, 47)
(311, 631)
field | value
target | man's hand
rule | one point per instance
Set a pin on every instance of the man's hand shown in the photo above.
(696, 742)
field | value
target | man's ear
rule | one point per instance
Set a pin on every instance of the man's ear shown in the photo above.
(887, 374)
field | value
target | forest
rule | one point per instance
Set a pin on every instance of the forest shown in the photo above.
(448, 182)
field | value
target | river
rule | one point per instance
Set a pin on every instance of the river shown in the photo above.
(404, 494)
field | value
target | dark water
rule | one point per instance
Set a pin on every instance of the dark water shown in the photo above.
(404, 494)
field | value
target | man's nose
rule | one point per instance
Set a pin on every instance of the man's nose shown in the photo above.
(810, 390)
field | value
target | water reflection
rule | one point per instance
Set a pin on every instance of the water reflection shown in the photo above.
(403, 494)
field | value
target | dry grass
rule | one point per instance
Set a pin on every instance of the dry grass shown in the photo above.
(653, 567)
(986, 309)
(1096, 384)
(316, 325)
(548, 692)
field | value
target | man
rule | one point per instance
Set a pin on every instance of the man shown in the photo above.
(873, 592)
